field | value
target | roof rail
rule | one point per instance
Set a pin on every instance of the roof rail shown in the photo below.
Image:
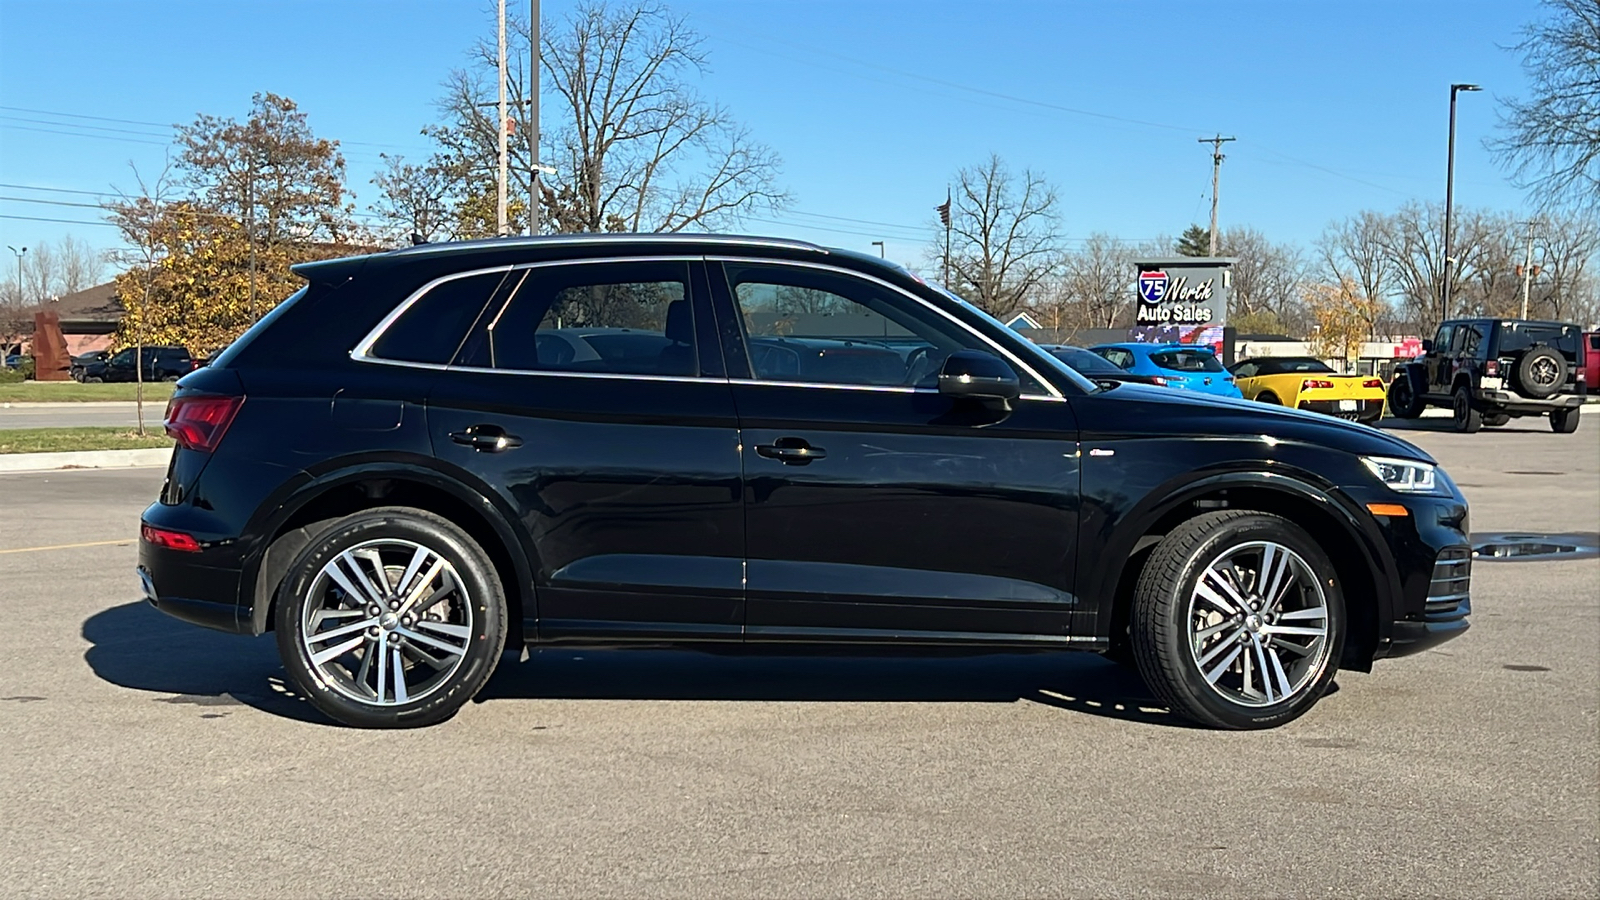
(556, 240)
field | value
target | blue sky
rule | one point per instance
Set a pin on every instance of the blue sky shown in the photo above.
(1337, 106)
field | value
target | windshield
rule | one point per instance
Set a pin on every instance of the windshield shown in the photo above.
(1298, 365)
(1187, 360)
(1041, 358)
(1086, 363)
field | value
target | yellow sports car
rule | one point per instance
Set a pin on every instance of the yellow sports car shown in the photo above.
(1300, 382)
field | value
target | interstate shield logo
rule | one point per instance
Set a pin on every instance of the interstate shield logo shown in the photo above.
(1153, 286)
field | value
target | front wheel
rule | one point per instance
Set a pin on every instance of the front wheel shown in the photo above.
(1403, 401)
(1238, 620)
(391, 618)
(1468, 419)
(1564, 421)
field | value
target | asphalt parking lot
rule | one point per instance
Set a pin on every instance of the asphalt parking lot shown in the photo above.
(143, 757)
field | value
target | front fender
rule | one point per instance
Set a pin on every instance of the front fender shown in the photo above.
(1118, 536)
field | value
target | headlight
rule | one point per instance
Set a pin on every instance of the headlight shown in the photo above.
(1407, 476)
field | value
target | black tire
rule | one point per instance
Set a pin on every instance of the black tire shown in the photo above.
(1540, 372)
(1403, 401)
(1564, 421)
(480, 616)
(92, 379)
(1468, 419)
(1495, 420)
(1163, 606)
(169, 378)
(1269, 397)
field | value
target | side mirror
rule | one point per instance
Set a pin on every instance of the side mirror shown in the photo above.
(1427, 346)
(978, 375)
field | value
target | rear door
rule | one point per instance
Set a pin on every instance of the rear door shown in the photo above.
(1438, 360)
(583, 399)
(876, 508)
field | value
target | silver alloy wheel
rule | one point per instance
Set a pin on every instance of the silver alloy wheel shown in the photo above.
(387, 622)
(1544, 371)
(1258, 624)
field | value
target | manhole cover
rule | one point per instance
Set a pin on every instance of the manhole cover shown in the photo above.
(1530, 547)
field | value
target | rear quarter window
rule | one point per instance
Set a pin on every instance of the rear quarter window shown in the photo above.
(431, 328)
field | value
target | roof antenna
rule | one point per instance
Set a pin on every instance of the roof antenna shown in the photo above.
(417, 239)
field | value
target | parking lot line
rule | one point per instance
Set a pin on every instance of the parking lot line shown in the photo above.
(120, 541)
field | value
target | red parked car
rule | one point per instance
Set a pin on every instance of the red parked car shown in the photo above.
(1591, 356)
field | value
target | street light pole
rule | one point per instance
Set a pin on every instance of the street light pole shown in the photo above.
(533, 117)
(21, 300)
(879, 245)
(1449, 199)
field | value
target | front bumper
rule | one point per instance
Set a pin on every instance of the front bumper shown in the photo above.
(1432, 550)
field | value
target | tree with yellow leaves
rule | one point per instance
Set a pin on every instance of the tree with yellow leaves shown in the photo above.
(1344, 316)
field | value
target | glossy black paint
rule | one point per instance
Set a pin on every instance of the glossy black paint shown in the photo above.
(716, 508)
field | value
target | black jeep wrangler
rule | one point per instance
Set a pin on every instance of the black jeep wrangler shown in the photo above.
(1489, 370)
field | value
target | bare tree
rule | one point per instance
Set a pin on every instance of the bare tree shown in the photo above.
(1565, 246)
(1413, 242)
(1004, 240)
(139, 218)
(1267, 277)
(412, 201)
(40, 274)
(1551, 140)
(1098, 280)
(636, 148)
(81, 265)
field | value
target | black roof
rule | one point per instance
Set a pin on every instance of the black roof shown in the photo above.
(576, 245)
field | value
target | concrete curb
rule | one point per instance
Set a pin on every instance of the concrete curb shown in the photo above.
(84, 459)
(158, 405)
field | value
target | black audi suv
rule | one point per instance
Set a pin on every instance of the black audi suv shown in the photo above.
(708, 441)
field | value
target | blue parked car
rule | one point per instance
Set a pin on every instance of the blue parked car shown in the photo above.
(1179, 365)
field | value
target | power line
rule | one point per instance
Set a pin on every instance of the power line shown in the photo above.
(75, 125)
(63, 221)
(48, 112)
(104, 137)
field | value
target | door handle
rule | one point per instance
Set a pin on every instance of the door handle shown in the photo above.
(791, 451)
(486, 438)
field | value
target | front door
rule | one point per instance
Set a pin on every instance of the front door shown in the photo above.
(584, 399)
(1438, 361)
(877, 509)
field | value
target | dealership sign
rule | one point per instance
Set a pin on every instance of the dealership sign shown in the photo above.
(1188, 291)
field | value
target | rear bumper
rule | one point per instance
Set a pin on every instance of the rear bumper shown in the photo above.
(1365, 409)
(199, 587)
(1516, 403)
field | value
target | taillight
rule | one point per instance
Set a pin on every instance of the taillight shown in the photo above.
(1372, 382)
(199, 422)
(170, 540)
(1313, 383)
(1157, 379)
(1492, 368)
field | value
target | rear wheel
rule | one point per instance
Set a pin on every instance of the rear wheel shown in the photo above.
(390, 618)
(1468, 419)
(1238, 620)
(1269, 397)
(1564, 421)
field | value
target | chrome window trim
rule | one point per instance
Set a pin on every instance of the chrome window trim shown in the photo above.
(363, 348)
(1054, 393)
(559, 240)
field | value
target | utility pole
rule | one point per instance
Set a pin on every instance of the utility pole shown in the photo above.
(250, 221)
(1527, 270)
(500, 184)
(533, 117)
(1216, 181)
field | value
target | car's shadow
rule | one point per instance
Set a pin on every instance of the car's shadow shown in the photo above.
(1526, 424)
(134, 646)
